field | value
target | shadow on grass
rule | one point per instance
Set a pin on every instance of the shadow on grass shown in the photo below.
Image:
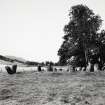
(56, 74)
(5, 94)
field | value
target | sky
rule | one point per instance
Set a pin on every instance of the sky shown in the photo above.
(33, 29)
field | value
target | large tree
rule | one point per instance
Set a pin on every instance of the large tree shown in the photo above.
(80, 33)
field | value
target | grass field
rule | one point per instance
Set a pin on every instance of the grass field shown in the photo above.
(63, 88)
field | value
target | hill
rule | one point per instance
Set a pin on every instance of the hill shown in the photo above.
(16, 58)
(6, 60)
(9, 60)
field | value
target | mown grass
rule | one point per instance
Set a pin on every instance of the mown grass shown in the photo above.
(63, 88)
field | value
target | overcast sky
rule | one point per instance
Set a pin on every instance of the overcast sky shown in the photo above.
(33, 29)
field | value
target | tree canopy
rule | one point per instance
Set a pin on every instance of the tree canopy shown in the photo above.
(81, 33)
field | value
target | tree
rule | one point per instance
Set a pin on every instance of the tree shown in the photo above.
(80, 33)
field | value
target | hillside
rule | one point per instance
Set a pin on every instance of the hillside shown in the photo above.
(16, 58)
(8, 60)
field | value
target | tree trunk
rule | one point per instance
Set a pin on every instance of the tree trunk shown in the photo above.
(86, 56)
(85, 50)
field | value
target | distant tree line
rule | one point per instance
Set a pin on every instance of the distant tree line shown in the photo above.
(31, 63)
(46, 63)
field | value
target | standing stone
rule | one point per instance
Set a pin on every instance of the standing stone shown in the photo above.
(39, 68)
(50, 68)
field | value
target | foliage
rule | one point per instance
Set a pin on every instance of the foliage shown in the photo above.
(80, 33)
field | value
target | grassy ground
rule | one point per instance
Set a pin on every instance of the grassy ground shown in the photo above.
(63, 88)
